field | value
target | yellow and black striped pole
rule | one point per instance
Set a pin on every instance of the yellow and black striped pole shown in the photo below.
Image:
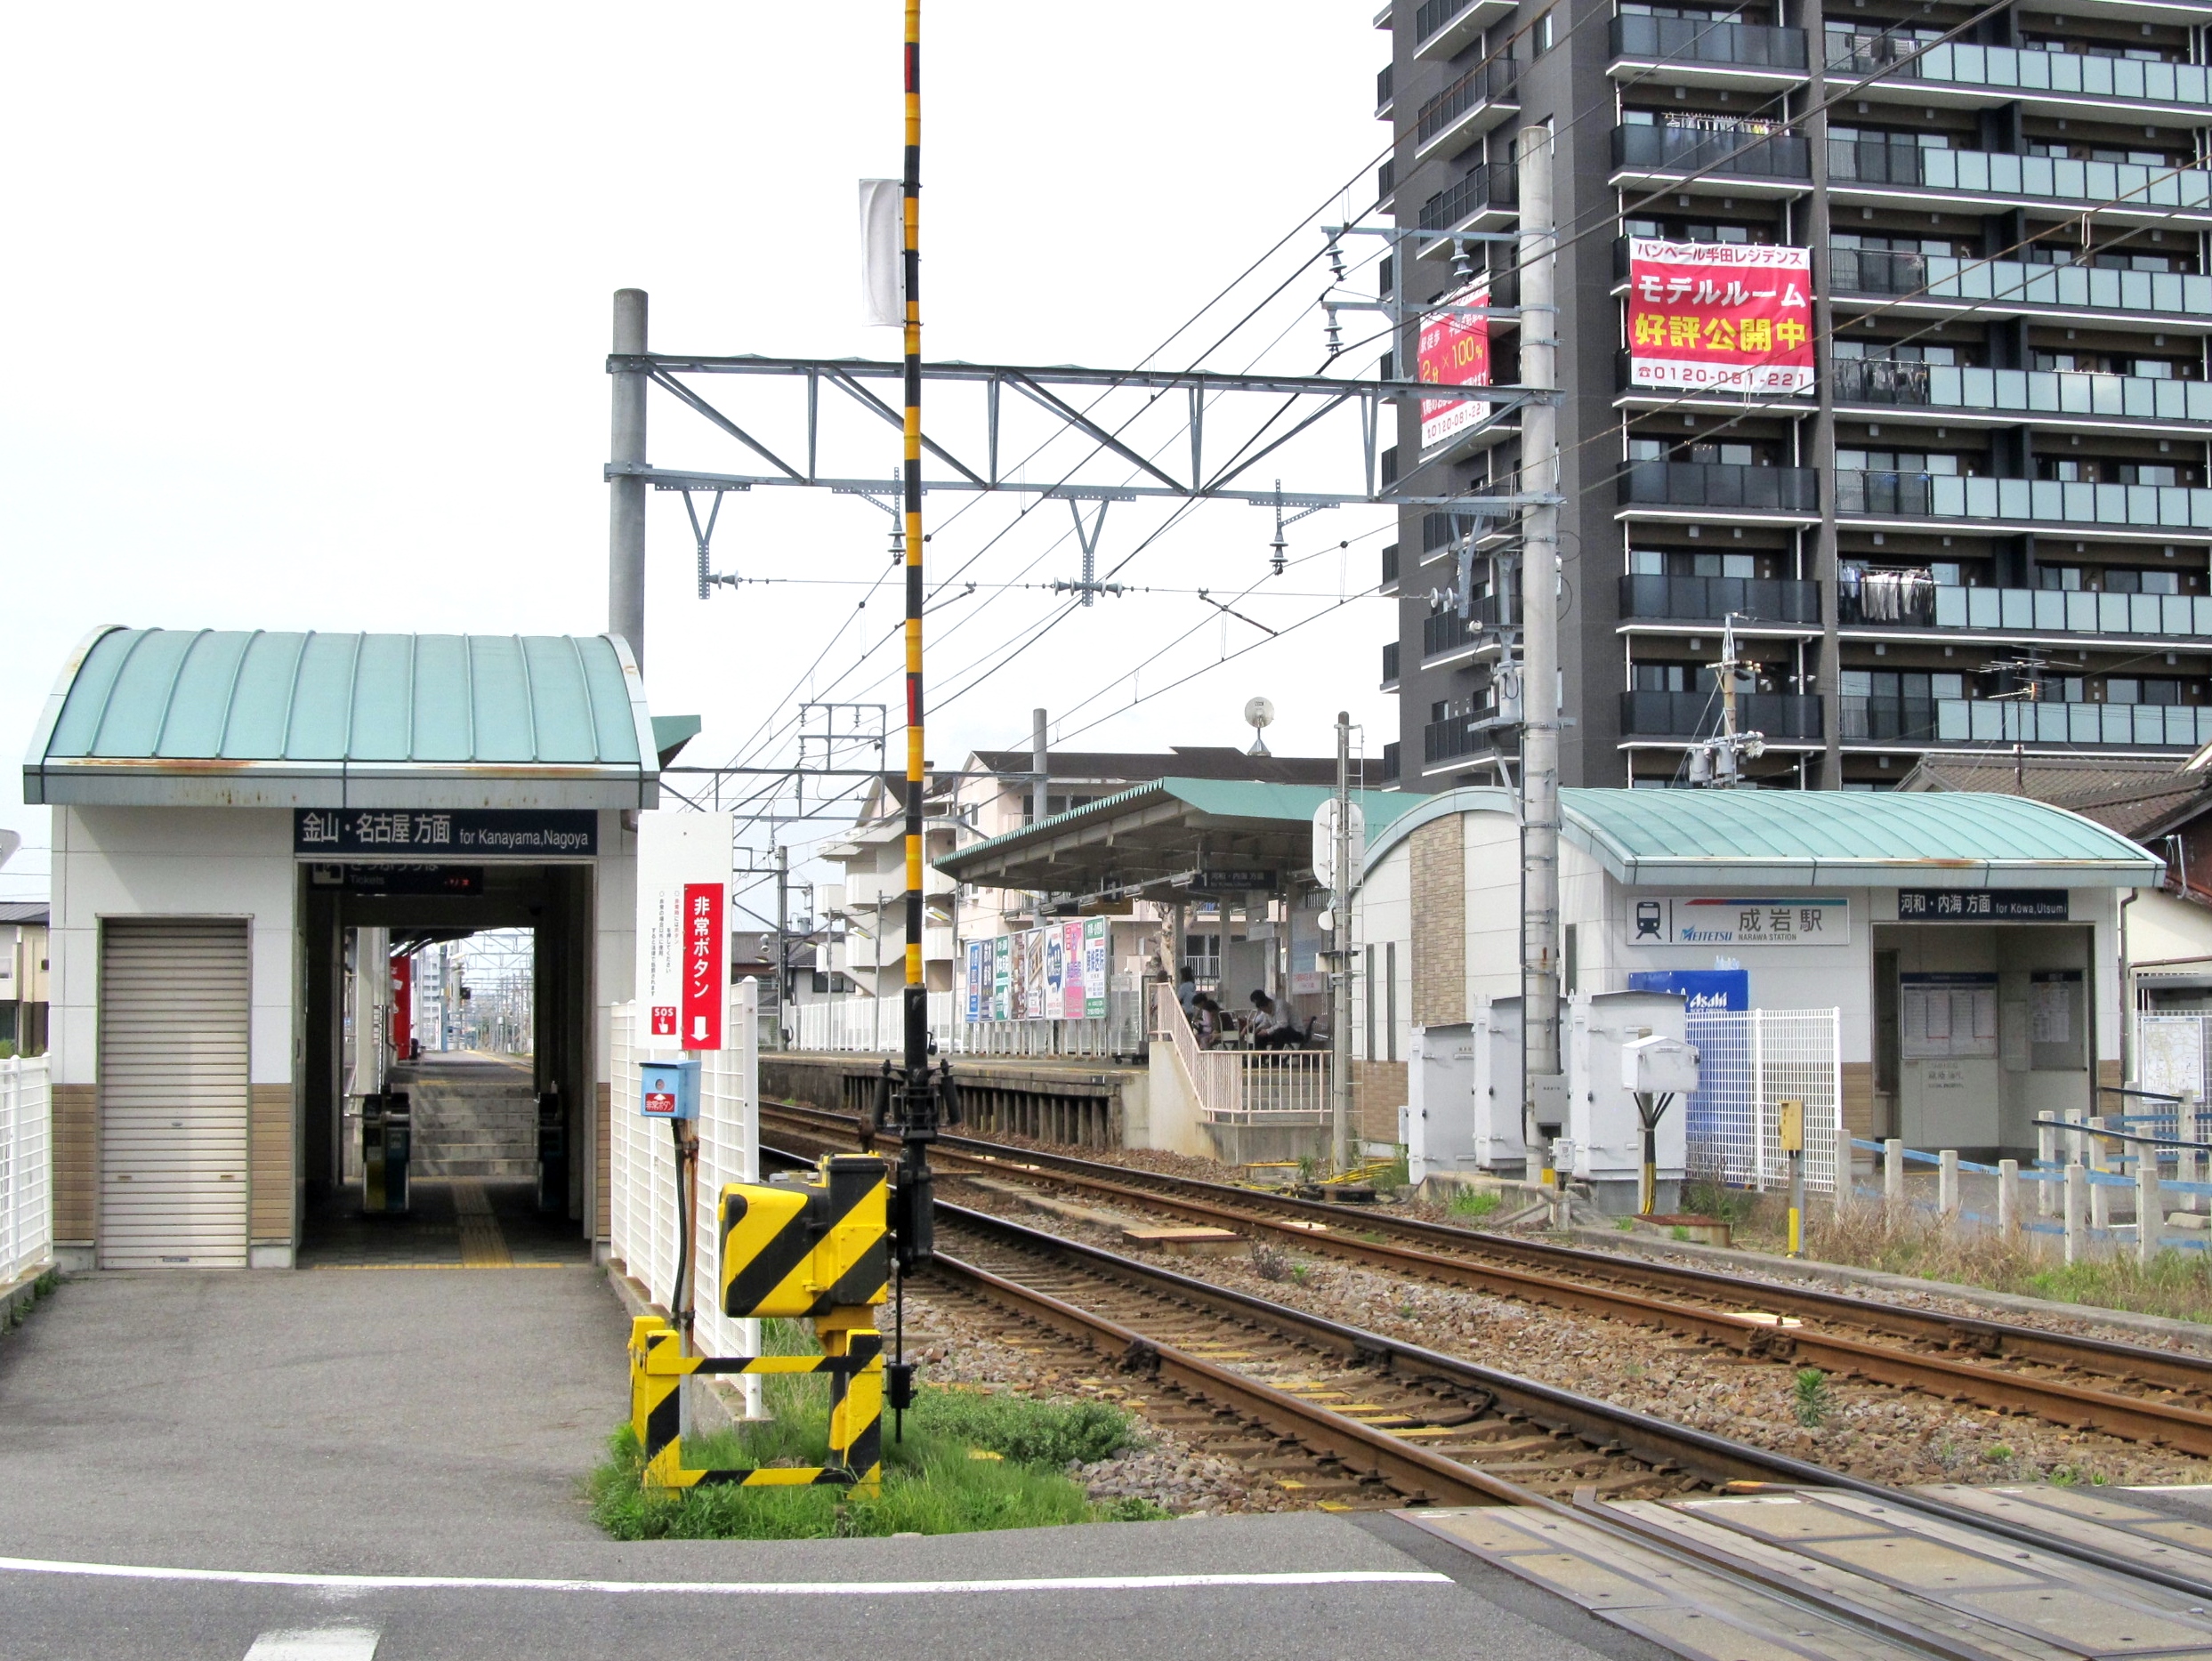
(916, 991)
(917, 1093)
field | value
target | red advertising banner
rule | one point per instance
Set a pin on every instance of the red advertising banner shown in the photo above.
(1455, 351)
(702, 974)
(1719, 317)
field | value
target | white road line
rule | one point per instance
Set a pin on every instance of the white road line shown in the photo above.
(725, 1588)
(321, 1643)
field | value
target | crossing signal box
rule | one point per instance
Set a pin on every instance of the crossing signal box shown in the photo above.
(807, 1247)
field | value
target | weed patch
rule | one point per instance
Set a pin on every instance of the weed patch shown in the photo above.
(934, 1481)
(1475, 1201)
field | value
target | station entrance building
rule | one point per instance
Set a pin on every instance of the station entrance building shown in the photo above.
(231, 810)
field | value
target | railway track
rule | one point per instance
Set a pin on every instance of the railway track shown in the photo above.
(1431, 1428)
(2141, 1394)
(1597, 1495)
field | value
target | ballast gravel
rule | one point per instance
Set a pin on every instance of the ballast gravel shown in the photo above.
(1873, 1431)
(958, 1345)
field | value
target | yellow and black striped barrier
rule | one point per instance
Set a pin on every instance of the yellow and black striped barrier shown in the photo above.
(854, 1362)
(817, 1249)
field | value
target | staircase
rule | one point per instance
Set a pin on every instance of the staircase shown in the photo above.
(475, 1116)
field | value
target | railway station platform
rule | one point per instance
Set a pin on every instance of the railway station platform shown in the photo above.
(1077, 1102)
(398, 1455)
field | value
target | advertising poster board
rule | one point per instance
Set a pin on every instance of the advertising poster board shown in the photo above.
(977, 987)
(1002, 978)
(1098, 935)
(1718, 316)
(1074, 988)
(1454, 350)
(1034, 1006)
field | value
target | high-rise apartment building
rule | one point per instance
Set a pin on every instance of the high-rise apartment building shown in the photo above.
(1988, 523)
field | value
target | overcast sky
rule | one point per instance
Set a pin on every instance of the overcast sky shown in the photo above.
(308, 307)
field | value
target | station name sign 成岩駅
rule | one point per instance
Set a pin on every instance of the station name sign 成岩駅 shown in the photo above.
(1982, 904)
(440, 834)
(1720, 317)
(1764, 920)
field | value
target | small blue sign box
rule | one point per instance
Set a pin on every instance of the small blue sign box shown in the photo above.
(672, 1090)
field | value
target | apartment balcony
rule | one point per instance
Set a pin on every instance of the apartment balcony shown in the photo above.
(1483, 98)
(1897, 600)
(1450, 739)
(1694, 52)
(1389, 762)
(1390, 569)
(1695, 489)
(2160, 299)
(1382, 92)
(1441, 27)
(2048, 83)
(1386, 184)
(1709, 599)
(1884, 172)
(1487, 198)
(1390, 666)
(1873, 721)
(1781, 717)
(2004, 395)
(1740, 164)
(2025, 504)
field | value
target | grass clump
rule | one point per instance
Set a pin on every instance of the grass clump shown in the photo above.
(1810, 1390)
(934, 1481)
(1475, 1203)
(1901, 1240)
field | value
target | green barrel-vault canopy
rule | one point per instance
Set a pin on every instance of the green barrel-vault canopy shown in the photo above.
(211, 717)
(1822, 838)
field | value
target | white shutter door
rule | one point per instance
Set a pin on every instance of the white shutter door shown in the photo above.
(174, 1089)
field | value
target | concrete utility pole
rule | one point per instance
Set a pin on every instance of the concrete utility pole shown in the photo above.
(1539, 636)
(1040, 793)
(625, 529)
(1340, 977)
(1823, 459)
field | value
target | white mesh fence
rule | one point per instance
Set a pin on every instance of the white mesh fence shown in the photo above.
(1749, 1061)
(25, 1166)
(643, 1171)
(872, 1026)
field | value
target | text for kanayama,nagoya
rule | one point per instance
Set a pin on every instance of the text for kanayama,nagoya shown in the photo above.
(1720, 317)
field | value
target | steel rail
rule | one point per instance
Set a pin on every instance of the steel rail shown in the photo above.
(2134, 1418)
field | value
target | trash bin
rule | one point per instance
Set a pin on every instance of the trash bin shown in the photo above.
(553, 1153)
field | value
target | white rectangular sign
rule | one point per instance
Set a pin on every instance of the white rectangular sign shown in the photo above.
(682, 929)
(1760, 920)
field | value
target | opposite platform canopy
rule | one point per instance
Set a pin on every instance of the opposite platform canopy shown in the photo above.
(211, 718)
(1824, 838)
(1164, 838)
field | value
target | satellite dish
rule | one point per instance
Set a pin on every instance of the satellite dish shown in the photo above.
(1259, 712)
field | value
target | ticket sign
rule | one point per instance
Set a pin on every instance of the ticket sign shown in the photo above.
(1454, 350)
(1719, 317)
(682, 928)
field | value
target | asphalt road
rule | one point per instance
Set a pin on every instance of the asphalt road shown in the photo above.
(208, 1465)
